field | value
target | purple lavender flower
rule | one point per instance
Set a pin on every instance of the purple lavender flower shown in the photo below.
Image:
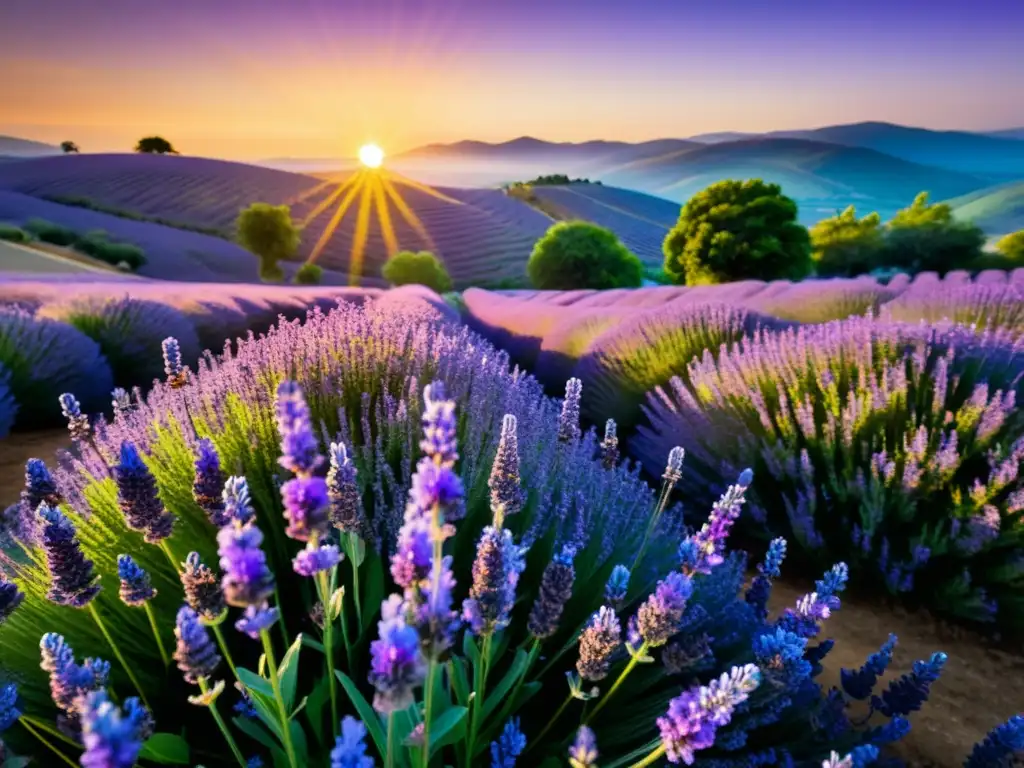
(177, 374)
(305, 507)
(73, 582)
(761, 587)
(555, 591)
(350, 747)
(704, 550)
(414, 550)
(397, 666)
(111, 739)
(69, 680)
(39, 488)
(813, 608)
(203, 591)
(982, 530)
(859, 683)
(506, 493)
(999, 747)
(78, 423)
(583, 752)
(432, 613)
(195, 654)
(247, 580)
(439, 425)
(346, 512)
(610, 445)
(10, 598)
(136, 586)
(9, 712)
(569, 421)
(617, 587)
(509, 746)
(237, 504)
(598, 643)
(313, 560)
(660, 616)
(208, 486)
(910, 691)
(496, 569)
(121, 402)
(138, 498)
(299, 450)
(257, 619)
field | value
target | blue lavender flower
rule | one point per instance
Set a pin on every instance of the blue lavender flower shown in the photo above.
(704, 550)
(781, 655)
(397, 666)
(910, 691)
(583, 752)
(111, 739)
(616, 587)
(195, 653)
(247, 580)
(78, 423)
(813, 608)
(208, 486)
(9, 712)
(439, 426)
(346, 511)
(256, 619)
(506, 493)
(859, 683)
(138, 497)
(599, 641)
(569, 421)
(300, 452)
(10, 598)
(863, 756)
(237, 504)
(496, 569)
(244, 707)
(431, 612)
(73, 581)
(306, 505)
(555, 591)
(136, 586)
(761, 587)
(313, 560)
(40, 488)
(70, 680)
(255, 762)
(610, 445)
(999, 747)
(509, 746)
(202, 588)
(660, 615)
(888, 733)
(177, 374)
(350, 747)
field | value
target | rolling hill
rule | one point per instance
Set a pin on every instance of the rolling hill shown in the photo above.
(482, 235)
(15, 147)
(997, 210)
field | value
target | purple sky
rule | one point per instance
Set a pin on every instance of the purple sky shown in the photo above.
(316, 78)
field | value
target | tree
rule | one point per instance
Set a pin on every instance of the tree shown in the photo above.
(844, 246)
(1012, 246)
(155, 145)
(925, 236)
(269, 232)
(736, 230)
(423, 268)
(309, 274)
(68, 147)
(578, 254)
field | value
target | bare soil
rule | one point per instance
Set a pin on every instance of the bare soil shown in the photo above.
(980, 687)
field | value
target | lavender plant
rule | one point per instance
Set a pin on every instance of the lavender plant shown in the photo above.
(896, 447)
(992, 306)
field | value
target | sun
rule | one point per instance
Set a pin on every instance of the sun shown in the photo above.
(371, 155)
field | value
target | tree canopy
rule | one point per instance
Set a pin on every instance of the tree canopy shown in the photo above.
(155, 145)
(925, 236)
(578, 254)
(844, 246)
(736, 230)
(269, 232)
(309, 274)
(423, 268)
(1012, 246)
(68, 147)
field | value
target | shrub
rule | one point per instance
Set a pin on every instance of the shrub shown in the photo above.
(97, 245)
(269, 232)
(129, 332)
(925, 236)
(991, 306)
(8, 405)
(845, 246)
(48, 232)
(894, 446)
(569, 340)
(69, 147)
(735, 230)
(14, 234)
(155, 145)
(423, 268)
(361, 372)
(45, 358)
(1012, 247)
(309, 274)
(577, 254)
(623, 364)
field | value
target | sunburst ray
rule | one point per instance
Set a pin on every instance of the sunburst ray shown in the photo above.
(384, 217)
(332, 225)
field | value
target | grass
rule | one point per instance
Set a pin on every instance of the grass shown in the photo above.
(13, 234)
(96, 243)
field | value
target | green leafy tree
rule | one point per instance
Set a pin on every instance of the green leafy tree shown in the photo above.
(423, 268)
(1012, 246)
(309, 274)
(578, 254)
(925, 236)
(68, 147)
(155, 145)
(844, 246)
(269, 232)
(737, 230)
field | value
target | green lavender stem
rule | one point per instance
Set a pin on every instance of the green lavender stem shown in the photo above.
(223, 643)
(389, 758)
(286, 732)
(650, 759)
(205, 688)
(47, 743)
(156, 635)
(551, 721)
(477, 702)
(166, 548)
(117, 652)
(325, 585)
(666, 491)
(435, 579)
(633, 661)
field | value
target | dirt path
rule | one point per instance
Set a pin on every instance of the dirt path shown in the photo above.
(16, 449)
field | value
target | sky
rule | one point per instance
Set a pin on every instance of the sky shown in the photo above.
(257, 79)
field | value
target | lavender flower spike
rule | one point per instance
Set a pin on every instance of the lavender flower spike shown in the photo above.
(9, 712)
(616, 588)
(247, 580)
(306, 506)
(674, 466)
(208, 486)
(496, 569)
(397, 666)
(111, 739)
(569, 421)
(136, 586)
(506, 493)
(555, 591)
(346, 511)
(177, 375)
(598, 644)
(10, 598)
(350, 747)
(439, 426)
(73, 581)
(39, 487)
(610, 445)
(583, 752)
(121, 402)
(660, 616)
(202, 589)
(78, 423)
(138, 498)
(313, 560)
(237, 504)
(999, 746)
(299, 450)
(509, 746)
(195, 654)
